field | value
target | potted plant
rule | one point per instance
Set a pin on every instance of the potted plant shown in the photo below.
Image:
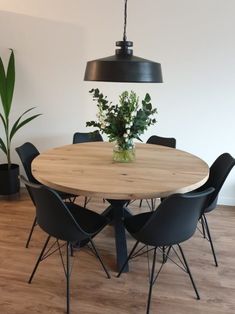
(123, 122)
(9, 182)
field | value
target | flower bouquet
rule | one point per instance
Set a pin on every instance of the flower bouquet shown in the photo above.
(123, 122)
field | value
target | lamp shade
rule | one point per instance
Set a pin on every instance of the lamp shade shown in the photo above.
(123, 68)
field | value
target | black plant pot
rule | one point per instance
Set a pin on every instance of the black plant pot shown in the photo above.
(9, 179)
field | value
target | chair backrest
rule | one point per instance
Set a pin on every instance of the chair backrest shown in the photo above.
(79, 137)
(175, 220)
(219, 171)
(53, 216)
(164, 141)
(27, 152)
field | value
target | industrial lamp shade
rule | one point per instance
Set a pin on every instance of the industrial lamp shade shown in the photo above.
(123, 66)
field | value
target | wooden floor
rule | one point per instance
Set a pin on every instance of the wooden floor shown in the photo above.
(91, 292)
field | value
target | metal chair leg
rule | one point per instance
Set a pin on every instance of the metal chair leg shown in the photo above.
(39, 259)
(189, 272)
(203, 227)
(99, 258)
(127, 260)
(85, 201)
(153, 200)
(210, 240)
(165, 254)
(151, 281)
(68, 276)
(31, 232)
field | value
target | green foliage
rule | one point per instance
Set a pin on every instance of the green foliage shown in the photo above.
(7, 84)
(124, 121)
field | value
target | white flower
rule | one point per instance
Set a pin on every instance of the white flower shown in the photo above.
(133, 114)
(125, 135)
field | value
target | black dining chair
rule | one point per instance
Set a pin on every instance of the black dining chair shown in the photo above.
(219, 171)
(163, 141)
(66, 222)
(27, 152)
(83, 137)
(174, 222)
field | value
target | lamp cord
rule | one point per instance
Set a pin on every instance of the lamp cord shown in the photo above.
(125, 21)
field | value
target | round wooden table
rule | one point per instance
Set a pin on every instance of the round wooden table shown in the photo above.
(88, 169)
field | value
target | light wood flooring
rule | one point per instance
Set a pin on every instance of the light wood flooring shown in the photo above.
(92, 292)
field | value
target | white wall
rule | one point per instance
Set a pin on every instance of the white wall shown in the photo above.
(193, 40)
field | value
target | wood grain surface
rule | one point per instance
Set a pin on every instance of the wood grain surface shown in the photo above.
(88, 169)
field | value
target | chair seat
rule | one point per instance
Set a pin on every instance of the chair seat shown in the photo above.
(134, 223)
(89, 221)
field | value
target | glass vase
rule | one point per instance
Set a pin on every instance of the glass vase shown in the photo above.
(126, 154)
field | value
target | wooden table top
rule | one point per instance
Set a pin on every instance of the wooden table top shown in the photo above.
(88, 169)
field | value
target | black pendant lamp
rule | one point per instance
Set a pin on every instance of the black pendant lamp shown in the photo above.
(123, 66)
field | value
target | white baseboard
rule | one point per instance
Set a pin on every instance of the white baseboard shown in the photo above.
(230, 201)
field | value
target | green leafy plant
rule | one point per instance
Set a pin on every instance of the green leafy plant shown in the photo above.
(124, 121)
(7, 84)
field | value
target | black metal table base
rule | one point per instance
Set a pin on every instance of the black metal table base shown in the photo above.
(116, 212)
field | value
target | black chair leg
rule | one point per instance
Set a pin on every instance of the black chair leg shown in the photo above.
(99, 258)
(85, 201)
(127, 260)
(31, 232)
(164, 254)
(72, 199)
(210, 240)
(39, 259)
(68, 276)
(151, 282)
(153, 200)
(203, 227)
(189, 272)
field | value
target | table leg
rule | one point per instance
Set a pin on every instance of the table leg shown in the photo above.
(117, 212)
